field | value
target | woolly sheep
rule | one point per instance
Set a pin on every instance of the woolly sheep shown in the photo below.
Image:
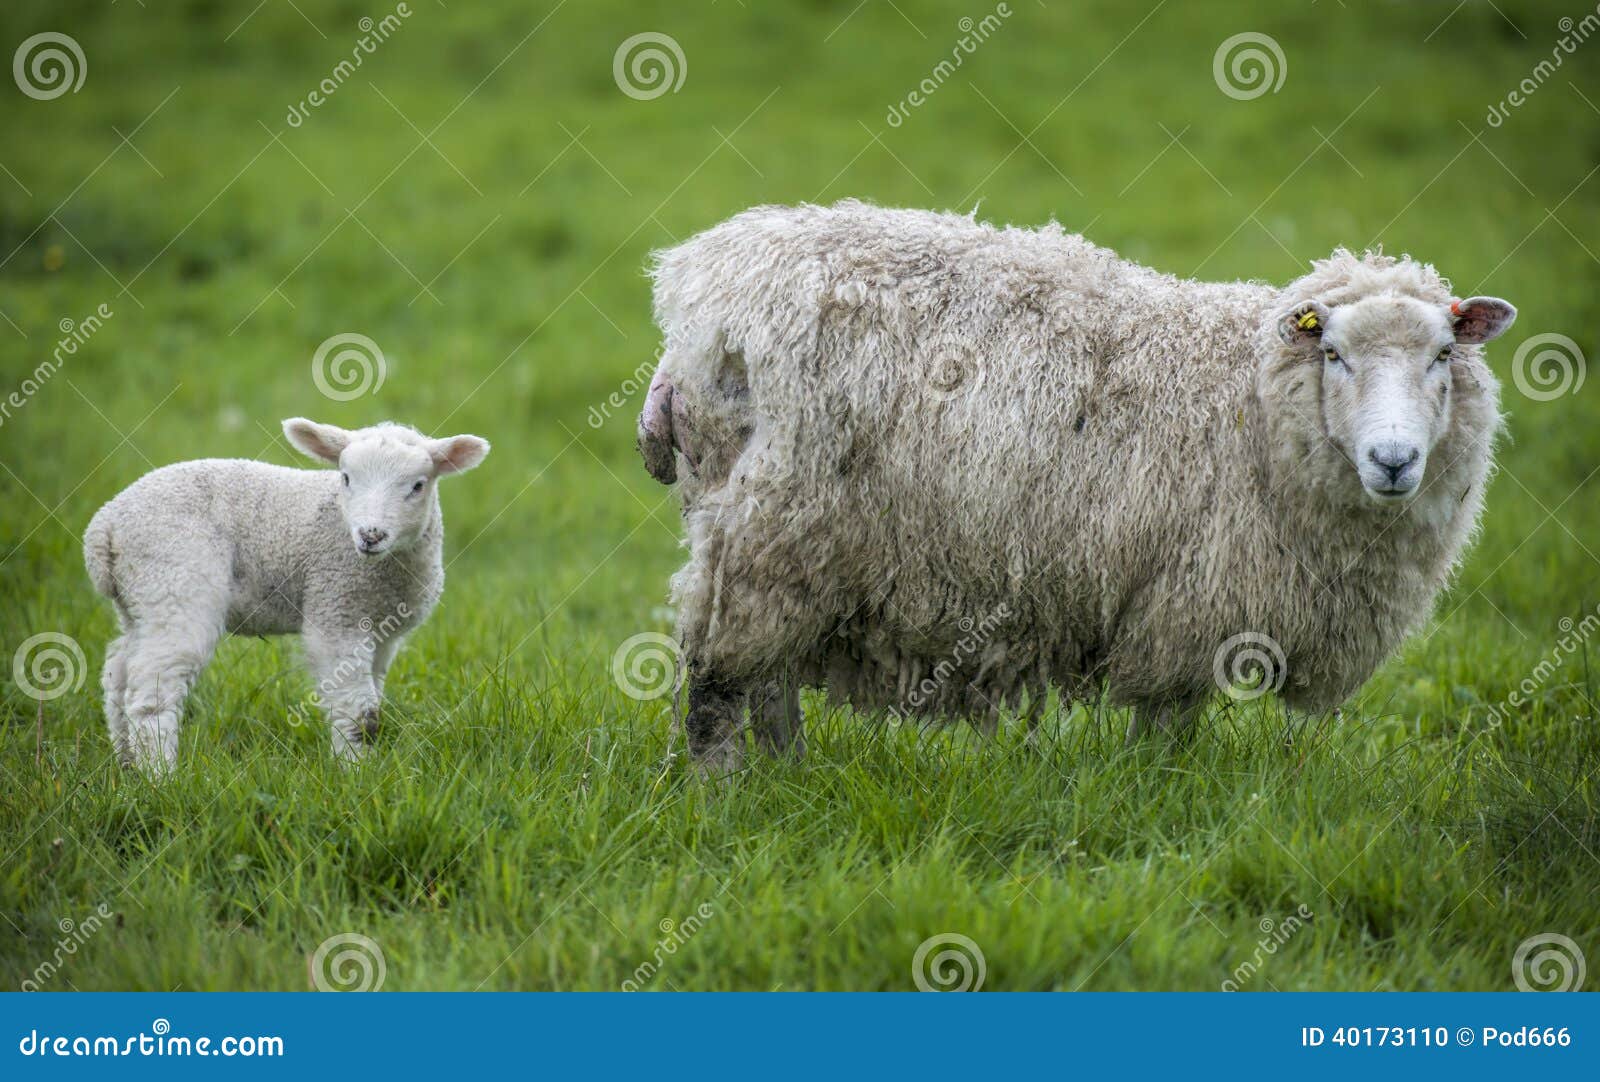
(936, 466)
(349, 559)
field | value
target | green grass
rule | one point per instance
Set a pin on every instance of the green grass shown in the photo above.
(524, 824)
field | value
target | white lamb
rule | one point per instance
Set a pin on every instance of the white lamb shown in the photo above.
(350, 559)
(935, 466)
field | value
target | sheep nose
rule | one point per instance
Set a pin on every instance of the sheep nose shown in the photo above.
(1394, 458)
(371, 535)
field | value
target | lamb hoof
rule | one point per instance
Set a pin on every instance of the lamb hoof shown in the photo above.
(155, 758)
(153, 768)
(370, 726)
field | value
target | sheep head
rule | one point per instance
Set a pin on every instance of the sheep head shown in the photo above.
(1386, 377)
(387, 476)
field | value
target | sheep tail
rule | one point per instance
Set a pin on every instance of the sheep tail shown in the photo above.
(97, 556)
(664, 430)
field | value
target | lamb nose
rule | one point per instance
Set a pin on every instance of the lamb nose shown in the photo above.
(1394, 458)
(371, 535)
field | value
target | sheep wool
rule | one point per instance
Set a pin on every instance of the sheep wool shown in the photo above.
(350, 559)
(936, 466)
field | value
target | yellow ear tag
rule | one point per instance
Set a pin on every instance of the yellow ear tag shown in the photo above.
(1308, 321)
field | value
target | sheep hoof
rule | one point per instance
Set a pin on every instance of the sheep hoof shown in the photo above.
(1175, 721)
(794, 748)
(717, 766)
(776, 720)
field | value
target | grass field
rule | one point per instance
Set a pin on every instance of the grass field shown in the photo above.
(479, 197)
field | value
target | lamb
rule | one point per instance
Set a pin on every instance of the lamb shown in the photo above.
(348, 558)
(938, 467)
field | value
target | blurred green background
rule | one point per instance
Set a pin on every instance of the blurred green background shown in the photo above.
(479, 197)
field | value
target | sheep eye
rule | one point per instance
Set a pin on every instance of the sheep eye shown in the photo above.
(416, 488)
(345, 477)
(1444, 355)
(1333, 356)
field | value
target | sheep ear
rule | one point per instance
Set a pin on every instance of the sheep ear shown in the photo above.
(457, 454)
(1302, 323)
(1478, 319)
(322, 442)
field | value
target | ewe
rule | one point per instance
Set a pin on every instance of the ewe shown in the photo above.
(350, 559)
(935, 466)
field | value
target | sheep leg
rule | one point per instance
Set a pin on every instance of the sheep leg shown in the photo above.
(160, 668)
(713, 726)
(776, 719)
(1035, 707)
(343, 667)
(382, 655)
(114, 679)
(1174, 718)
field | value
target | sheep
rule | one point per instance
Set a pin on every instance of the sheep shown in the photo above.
(936, 467)
(350, 559)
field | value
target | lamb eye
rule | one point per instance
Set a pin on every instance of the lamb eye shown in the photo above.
(1333, 356)
(1444, 355)
(416, 488)
(345, 477)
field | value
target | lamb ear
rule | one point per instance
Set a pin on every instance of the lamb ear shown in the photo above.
(1303, 323)
(322, 442)
(1478, 319)
(457, 454)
